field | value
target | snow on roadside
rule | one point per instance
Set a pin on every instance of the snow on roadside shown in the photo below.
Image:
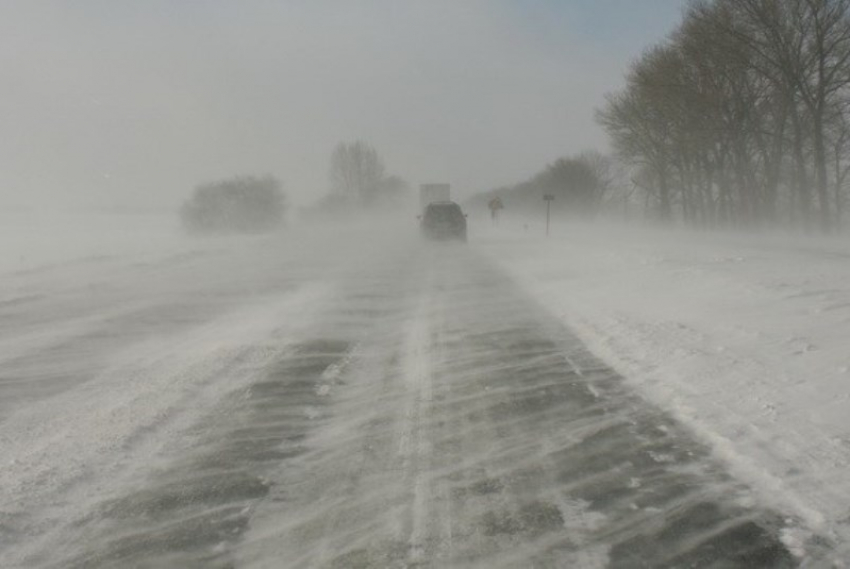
(32, 240)
(744, 338)
(72, 449)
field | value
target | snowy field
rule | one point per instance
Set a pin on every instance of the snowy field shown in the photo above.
(745, 338)
(33, 240)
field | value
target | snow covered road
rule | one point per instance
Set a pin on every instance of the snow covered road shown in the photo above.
(359, 403)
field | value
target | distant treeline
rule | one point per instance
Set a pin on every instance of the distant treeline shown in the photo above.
(580, 185)
(741, 117)
(244, 204)
(258, 204)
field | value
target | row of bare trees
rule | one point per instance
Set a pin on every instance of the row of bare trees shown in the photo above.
(243, 204)
(580, 185)
(742, 117)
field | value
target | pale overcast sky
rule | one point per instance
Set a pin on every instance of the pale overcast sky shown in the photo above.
(132, 103)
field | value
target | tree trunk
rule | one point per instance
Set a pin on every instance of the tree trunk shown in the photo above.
(665, 210)
(802, 189)
(821, 178)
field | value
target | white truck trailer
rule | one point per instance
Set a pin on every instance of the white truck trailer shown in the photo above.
(430, 193)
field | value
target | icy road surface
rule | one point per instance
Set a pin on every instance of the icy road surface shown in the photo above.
(340, 403)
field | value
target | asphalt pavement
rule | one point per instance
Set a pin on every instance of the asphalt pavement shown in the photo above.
(428, 413)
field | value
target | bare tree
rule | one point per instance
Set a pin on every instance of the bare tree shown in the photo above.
(839, 136)
(356, 172)
(641, 123)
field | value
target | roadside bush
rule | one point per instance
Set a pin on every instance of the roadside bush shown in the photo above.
(244, 204)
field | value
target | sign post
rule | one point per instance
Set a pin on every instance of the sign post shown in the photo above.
(495, 205)
(549, 198)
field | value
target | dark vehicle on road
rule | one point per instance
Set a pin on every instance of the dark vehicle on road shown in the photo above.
(443, 221)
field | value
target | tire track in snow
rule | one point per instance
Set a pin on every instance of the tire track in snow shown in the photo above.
(415, 445)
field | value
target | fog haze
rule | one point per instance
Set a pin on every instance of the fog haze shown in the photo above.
(443, 283)
(129, 105)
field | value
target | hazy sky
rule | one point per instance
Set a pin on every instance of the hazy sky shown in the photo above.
(132, 103)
